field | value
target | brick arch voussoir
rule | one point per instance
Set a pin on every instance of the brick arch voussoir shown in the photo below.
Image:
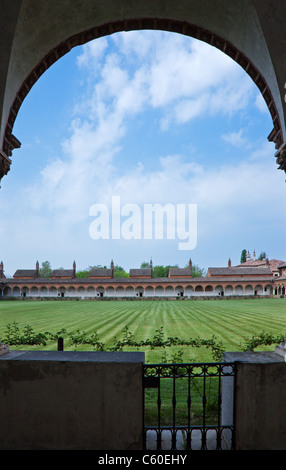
(176, 26)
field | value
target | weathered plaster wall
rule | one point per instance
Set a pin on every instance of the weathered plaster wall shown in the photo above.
(260, 406)
(70, 400)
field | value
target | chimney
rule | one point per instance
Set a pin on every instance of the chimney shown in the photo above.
(74, 269)
(190, 265)
(1, 270)
(151, 266)
(112, 268)
(229, 262)
(37, 269)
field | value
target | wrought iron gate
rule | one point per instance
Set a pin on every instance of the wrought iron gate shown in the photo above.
(183, 406)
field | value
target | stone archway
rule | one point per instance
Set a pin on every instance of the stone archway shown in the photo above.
(110, 291)
(25, 292)
(81, 291)
(169, 291)
(71, 291)
(100, 291)
(149, 291)
(258, 289)
(179, 291)
(34, 291)
(159, 291)
(238, 289)
(35, 34)
(43, 291)
(228, 290)
(249, 290)
(219, 290)
(130, 291)
(209, 290)
(189, 290)
(139, 291)
(120, 292)
(90, 291)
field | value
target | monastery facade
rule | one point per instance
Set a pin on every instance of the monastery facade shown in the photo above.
(265, 278)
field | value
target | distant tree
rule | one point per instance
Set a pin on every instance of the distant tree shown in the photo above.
(162, 271)
(82, 274)
(119, 272)
(262, 255)
(145, 264)
(159, 271)
(97, 266)
(45, 269)
(243, 256)
(85, 272)
(197, 271)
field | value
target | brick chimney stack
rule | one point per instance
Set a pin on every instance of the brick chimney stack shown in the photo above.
(37, 269)
(190, 265)
(112, 268)
(74, 269)
(1, 270)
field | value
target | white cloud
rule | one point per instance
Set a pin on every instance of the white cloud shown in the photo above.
(236, 138)
(188, 109)
(180, 79)
(171, 70)
(92, 53)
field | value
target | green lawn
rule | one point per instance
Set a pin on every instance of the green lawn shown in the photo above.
(229, 321)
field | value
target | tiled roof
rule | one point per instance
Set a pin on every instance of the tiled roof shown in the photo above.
(180, 272)
(100, 272)
(25, 273)
(160, 280)
(272, 263)
(146, 272)
(62, 273)
(240, 271)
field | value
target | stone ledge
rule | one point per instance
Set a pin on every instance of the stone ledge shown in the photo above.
(4, 348)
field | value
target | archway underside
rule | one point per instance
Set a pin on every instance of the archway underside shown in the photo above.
(10, 142)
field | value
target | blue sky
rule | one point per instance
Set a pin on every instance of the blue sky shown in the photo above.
(153, 118)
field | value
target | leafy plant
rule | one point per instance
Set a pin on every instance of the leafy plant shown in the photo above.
(262, 339)
(28, 337)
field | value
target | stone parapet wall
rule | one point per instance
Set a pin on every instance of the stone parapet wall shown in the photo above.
(71, 400)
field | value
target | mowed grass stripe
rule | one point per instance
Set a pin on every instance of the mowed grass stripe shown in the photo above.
(247, 313)
(250, 317)
(230, 321)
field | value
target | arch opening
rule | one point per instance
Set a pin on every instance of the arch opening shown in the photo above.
(213, 44)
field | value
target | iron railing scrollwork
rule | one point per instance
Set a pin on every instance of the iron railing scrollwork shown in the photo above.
(183, 406)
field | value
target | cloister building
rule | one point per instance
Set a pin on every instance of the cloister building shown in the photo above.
(253, 278)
